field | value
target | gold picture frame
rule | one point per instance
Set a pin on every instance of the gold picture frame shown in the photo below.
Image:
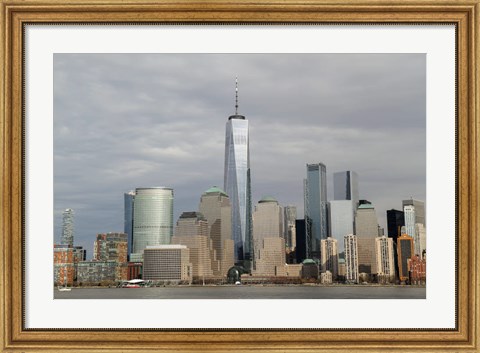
(464, 14)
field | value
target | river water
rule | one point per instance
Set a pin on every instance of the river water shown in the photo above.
(248, 292)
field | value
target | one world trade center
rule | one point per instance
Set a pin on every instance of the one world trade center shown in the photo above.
(237, 185)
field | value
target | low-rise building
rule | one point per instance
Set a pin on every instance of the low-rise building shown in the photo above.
(167, 263)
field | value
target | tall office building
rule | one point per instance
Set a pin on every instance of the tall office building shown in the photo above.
(345, 186)
(315, 199)
(128, 200)
(405, 252)
(419, 211)
(153, 218)
(300, 246)
(215, 207)
(341, 220)
(385, 261)
(366, 229)
(192, 231)
(420, 241)
(267, 219)
(267, 222)
(329, 256)
(351, 258)
(289, 229)
(68, 227)
(395, 223)
(237, 184)
(366, 222)
(270, 257)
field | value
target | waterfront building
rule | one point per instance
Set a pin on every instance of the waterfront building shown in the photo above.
(417, 269)
(326, 277)
(237, 185)
(341, 269)
(315, 199)
(341, 220)
(270, 257)
(215, 207)
(405, 251)
(96, 272)
(345, 187)
(67, 227)
(395, 222)
(110, 247)
(267, 222)
(420, 241)
(64, 264)
(65, 260)
(128, 200)
(329, 256)
(152, 218)
(385, 260)
(366, 230)
(289, 229)
(310, 269)
(293, 270)
(300, 246)
(192, 231)
(167, 263)
(134, 270)
(351, 258)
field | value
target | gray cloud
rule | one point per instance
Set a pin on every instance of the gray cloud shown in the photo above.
(127, 120)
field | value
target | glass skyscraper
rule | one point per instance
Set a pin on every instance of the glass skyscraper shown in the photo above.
(316, 221)
(237, 186)
(341, 220)
(345, 186)
(152, 217)
(128, 199)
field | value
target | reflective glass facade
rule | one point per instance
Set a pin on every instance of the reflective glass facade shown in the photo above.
(237, 185)
(341, 220)
(128, 198)
(345, 186)
(316, 206)
(153, 217)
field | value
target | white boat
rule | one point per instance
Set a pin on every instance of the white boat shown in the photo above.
(64, 289)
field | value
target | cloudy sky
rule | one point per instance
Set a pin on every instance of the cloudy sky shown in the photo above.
(136, 120)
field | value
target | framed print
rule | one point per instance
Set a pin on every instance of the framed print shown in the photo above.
(213, 176)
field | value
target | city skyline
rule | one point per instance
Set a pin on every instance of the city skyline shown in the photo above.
(108, 144)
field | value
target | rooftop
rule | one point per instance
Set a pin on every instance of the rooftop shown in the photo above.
(267, 199)
(215, 190)
(365, 206)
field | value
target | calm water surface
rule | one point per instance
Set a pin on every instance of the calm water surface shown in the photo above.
(248, 292)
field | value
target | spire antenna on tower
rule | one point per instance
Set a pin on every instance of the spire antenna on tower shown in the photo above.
(236, 95)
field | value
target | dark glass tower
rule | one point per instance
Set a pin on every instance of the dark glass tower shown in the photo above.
(395, 221)
(128, 199)
(345, 186)
(238, 186)
(316, 220)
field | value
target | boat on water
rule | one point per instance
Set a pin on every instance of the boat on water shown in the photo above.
(64, 289)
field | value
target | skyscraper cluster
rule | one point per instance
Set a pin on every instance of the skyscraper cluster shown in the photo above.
(338, 240)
